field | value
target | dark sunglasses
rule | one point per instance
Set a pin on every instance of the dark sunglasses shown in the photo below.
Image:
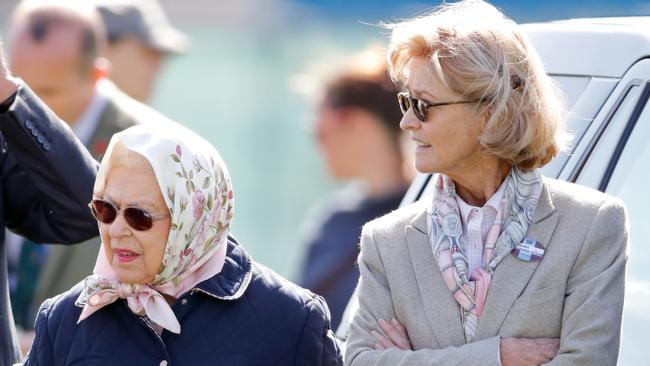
(421, 107)
(139, 219)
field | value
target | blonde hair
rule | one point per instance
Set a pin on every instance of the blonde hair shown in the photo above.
(481, 55)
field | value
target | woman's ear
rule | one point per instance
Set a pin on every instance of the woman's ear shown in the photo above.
(485, 113)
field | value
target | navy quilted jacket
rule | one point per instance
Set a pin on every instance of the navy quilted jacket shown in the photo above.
(245, 315)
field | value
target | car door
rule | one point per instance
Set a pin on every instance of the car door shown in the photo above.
(616, 160)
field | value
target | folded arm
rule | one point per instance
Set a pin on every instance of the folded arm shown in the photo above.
(375, 303)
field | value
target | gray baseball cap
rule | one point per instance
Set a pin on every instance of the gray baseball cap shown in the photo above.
(144, 20)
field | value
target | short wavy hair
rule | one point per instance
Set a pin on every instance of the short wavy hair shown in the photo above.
(480, 54)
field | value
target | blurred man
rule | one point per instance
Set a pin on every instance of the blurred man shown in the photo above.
(139, 39)
(358, 132)
(46, 179)
(56, 48)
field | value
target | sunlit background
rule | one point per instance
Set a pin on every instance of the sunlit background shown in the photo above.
(242, 86)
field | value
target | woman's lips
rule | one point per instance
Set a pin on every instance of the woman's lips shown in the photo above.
(419, 144)
(125, 255)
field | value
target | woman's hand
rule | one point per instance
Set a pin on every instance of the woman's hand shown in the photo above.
(528, 351)
(397, 336)
(514, 351)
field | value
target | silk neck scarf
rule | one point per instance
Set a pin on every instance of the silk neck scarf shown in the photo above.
(515, 213)
(198, 192)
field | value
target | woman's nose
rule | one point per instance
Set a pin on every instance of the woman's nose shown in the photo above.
(409, 121)
(119, 227)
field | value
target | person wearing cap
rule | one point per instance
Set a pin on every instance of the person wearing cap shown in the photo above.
(57, 48)
(358, 134)
(140, 37)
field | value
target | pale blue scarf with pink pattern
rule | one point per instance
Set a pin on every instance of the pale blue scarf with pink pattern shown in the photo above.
(514, 216)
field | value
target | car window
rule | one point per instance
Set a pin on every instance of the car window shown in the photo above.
(594, 169)
(571, 86)
(628, 182)
(584, 98)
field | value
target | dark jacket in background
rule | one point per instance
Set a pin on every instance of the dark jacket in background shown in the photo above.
(46, 182)
(245, 315)
(329, 267)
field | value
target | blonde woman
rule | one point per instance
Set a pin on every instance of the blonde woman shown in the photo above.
(501, 265)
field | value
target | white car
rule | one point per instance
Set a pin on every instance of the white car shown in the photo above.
(603, 67)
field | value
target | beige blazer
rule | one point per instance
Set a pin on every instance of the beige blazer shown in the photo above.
(575, 292)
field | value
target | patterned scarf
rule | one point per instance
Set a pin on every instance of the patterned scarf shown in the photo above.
(514, 215)
(198, 193)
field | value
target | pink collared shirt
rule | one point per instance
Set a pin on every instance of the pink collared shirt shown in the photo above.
(476, 222)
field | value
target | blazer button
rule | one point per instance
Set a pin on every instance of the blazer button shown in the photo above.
(29, 124)
(163, 363)
(40, 139)
(184, 301)
(46, 146)
(34, 132)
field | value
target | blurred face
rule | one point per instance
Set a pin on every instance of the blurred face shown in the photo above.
(51, 65)
(448, 142)
(136, 256)
(338, 141)
(134, 67)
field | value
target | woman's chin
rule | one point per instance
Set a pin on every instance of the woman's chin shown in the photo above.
(425, 166)
(129, 274)
(425, 161)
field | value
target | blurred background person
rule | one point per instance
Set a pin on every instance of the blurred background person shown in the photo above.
(357, 129)
(57, 48)
(46, 177)
(140, 38)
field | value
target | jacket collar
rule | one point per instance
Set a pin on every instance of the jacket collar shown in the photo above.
(544, 209)
(234, 278)
(508, 282)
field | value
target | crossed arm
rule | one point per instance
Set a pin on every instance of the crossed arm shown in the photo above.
(591, 317)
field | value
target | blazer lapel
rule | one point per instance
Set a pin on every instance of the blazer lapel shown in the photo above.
(442, 310)
(106, 127)
(512, 274)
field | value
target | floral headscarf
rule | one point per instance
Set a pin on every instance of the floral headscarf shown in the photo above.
(198, 192)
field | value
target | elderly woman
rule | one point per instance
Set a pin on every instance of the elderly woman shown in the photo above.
(170, 286)
(501, 265)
